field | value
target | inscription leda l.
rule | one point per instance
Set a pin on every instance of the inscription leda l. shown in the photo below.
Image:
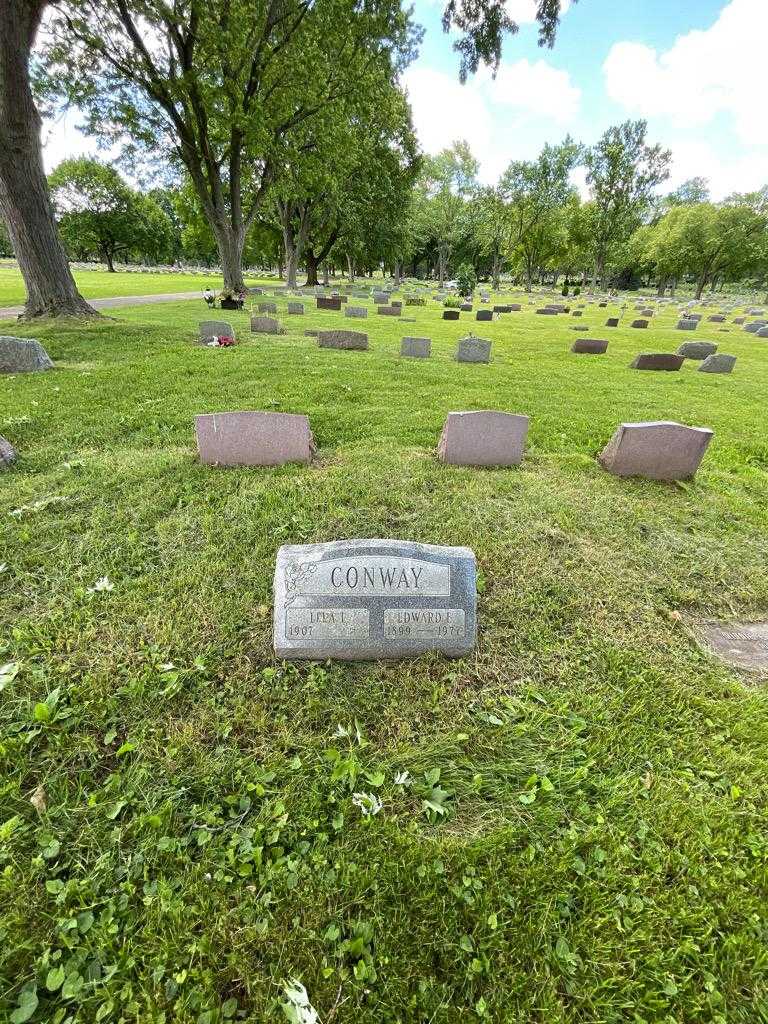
(369, 599)
(422, 623)
(327, 623)
(372, 576)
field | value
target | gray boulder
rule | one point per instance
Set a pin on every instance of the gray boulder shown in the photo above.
(7, 453)
(22, 355)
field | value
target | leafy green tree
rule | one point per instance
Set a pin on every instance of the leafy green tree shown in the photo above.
(716, 241)
(536, 191)
(447, 183)
(98, 213)
(691, 192)
(225, 88)
(484, 23)
(492, 225)
(623, 172)
(467, 279)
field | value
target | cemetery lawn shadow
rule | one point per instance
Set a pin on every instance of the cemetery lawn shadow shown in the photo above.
(573, 823)
(98, 284)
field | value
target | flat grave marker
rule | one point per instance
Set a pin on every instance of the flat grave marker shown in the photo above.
(348, 340)
(363, 600)
(743, 645)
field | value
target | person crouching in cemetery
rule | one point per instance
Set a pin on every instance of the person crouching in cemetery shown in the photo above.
(209, 297)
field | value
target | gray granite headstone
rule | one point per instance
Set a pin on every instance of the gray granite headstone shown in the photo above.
(351, 340)
(687, 325)
(416, 348)
(296, 308)
(484, 314)
(450, 314)
(215, 329)
(364, 600)
(718, 362)
(22, 355)
(612, 321)
(473, 350)
(360, 312)
(7, 453)
(389, 310)
(743, 645)
(697, 349)
(639, 323)
(265, 325)
(267, 307)
(332, 304)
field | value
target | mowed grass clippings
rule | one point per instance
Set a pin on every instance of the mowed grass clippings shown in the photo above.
(573, 821)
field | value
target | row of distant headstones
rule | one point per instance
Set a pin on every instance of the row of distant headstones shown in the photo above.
(645, 305)
(478, 350)
(688, 322)
(655, 450)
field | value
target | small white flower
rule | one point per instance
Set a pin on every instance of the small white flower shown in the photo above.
(403, 779)
(368, 803)
(101, 585)
(3, 567)
(341, 732)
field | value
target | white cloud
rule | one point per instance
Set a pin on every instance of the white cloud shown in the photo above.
(725, 172)
(508, 118)
(61, 140)
(445, 110)
(538, 89)
(704, 74)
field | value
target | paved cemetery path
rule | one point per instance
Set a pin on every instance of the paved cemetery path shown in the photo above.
(119, 300)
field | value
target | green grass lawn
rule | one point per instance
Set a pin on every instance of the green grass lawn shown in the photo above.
(603, 856)
(98, 284)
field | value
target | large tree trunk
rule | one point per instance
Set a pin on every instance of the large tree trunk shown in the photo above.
(662, 288)
(311, 269)
(25, 205)
(700, 284)
(230, 243)
(496, 273)
(528, 276)
(350, 269)
(107, 258)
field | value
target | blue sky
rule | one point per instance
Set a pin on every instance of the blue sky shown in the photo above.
(695, 69)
